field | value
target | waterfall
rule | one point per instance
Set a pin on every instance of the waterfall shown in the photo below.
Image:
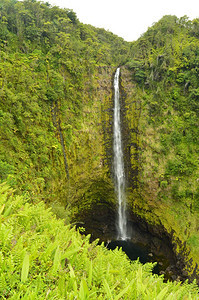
(119, 163)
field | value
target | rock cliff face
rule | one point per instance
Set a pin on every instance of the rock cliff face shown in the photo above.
(96, 204)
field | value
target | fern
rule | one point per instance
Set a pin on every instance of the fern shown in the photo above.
(107, 289)
(25, 268)
(64, 265)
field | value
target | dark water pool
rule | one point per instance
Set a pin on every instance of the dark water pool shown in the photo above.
(135, 251)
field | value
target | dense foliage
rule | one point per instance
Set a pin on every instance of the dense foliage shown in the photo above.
(49, 66)
(55, 128)
(41, 258)
(165, 65)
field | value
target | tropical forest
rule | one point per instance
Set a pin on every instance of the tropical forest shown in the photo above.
(99, 158)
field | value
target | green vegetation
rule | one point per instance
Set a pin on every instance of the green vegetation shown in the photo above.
(165, 67)
(51, 68)
(56, 146)
(42, 258)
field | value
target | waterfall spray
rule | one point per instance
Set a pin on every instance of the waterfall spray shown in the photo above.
(119, 163)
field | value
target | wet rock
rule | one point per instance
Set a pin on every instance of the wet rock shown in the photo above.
(156, 243)
(178, 264)
(178, 278)
(162, 273)
(100, 223)
(184, 273)
(173, 277)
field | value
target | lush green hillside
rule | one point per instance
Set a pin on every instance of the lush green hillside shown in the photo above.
(165, 65)
(52, 69)
(56, 110)
(41, 258)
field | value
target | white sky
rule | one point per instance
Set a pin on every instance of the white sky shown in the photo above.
(128, 18)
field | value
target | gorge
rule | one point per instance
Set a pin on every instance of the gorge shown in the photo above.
(57, 153)
(137, 238)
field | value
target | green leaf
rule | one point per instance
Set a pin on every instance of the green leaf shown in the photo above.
(83, 292)
(162, 294)
(124, 291)
(2, 208)
(25, 268)
(107, 289)
(68, 254)
(72, 273)
(7, 211)
(57, 260)
(90, 273)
